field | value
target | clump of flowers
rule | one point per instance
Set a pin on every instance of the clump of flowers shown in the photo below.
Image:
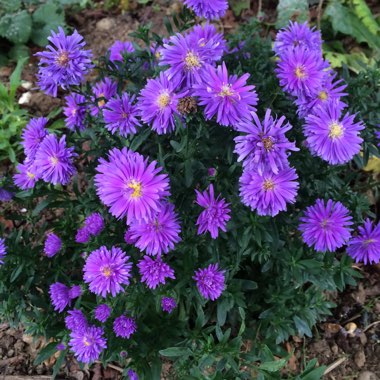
(53, 245)
(168, 304)
(154, 271)
(61, 295)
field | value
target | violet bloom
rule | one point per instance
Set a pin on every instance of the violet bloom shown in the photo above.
(54, 161)
(64, 63)
(156, 234)
(296, 34)
(53, 245)
(333, 137)
(300, 71)
(32, 136)
(107, 270)
(119, 48)
(94, 224)
(215, 214)
(3, 250)
(132, 375)
(365, 247)
(76, 321)
(61, 295)
(265, 146)
(168, 304)
(210, 281)
(27, 175)
(75, 111)
(326, 227)
(158, 104)
(226, 96)
(130, 186)
(103, 92)
(88, 344)
(124, 326)
(60, 347)
(268, 193)
(120, 115)
(102, 312)
(5, 195)
(83, 235)
(209, 9)
(154, 271)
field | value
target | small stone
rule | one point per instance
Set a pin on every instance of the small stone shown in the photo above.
(105, 24)
(363, 339)
(360, 359)
(25, 98)
(12, 332)
(28, 339)
(367, 375)
(19, 345)
(10, 353)
(334, 348)
(26, 84)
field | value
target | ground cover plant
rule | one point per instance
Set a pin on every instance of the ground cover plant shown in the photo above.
(204, 194)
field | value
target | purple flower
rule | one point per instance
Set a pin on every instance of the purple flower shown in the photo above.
(94, 223)
(326, 226)
(226, 96)
(209, 9)
(215, 214)
(32, 136)
(53, 245)
(54, 161)
(60, 347)
(124, 326)
(75, 111)
(154, 271)
(3, 250)
(265, 146)
(130, 186)
(211, 172)
(119, 48)
(268, 193)
(27, 175)
(333, 137)
(88, 344)
(83, 235)
(64, 63)
(301, 71)
(156, 234)
(296, 34)
(365, 246)
(5, 195)
(168, 304)
(107, 270)
(61, 295)
(132, 375)
(102, 312)
(158, 104)
(103, 91)
(121, 115)
(210, 281)
(76, 321)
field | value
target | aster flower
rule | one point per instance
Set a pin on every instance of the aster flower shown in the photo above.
(83, 235)
(300, 71)
(365, 247)
(268, 193)
(76, 321)
(60, 347)
(215, 214)
(154, 271)
(226, 96)
(32, 136)
(124, 326)
(265, 146)
(75, 111)
(102, 312)
(333, 137)
(61, 295)
(3, 250)
(120, 114)
(103, 92)
(158, 104)
(5, 195)
(88, 344)
(132, 375)
(210, 281)
(53, 245)
(296, 34)
(54, 161)
(168, 304)
(27, 175)
(130, 186)
(94, 223)
(64, 63)
(119, 48)
(326, 227)
(209, 9)
(156, 234)
(107, 270)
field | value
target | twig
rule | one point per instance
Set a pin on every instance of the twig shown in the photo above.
(259, 8)
(319, 13)
(371, 325)
(115, 367)
(332, 366)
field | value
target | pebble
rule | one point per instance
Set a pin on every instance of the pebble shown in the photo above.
(360, 359)
(28, 339)
(367, 375)
(26, 84)
(25, 98)
(105, 24)
(10, 353)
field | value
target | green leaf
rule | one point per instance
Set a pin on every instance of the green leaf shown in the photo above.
(46, 353)
(188, 173)
(42, 205)
(16, 272)
(365, 15)
(18, 52)
(295, 10)
(273, 366)
(58, 363)
(238, 6)
(302, 326)
(15, 78)
(173, 352)
(16, 27)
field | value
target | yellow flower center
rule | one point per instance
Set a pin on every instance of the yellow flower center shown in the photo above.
(30, 175)
(163, 100)
(369, 241)
(62, 59)
(74, 111)
(157, 54)
(54, 160)
(102, 102)
(226, 91)
(336, 130)
(268, 143)
(86, 342)
(268, 185)
(106, 271)
(137, 190)
(124, 115)
(300, 72)
(192, 61)
(323, 95)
